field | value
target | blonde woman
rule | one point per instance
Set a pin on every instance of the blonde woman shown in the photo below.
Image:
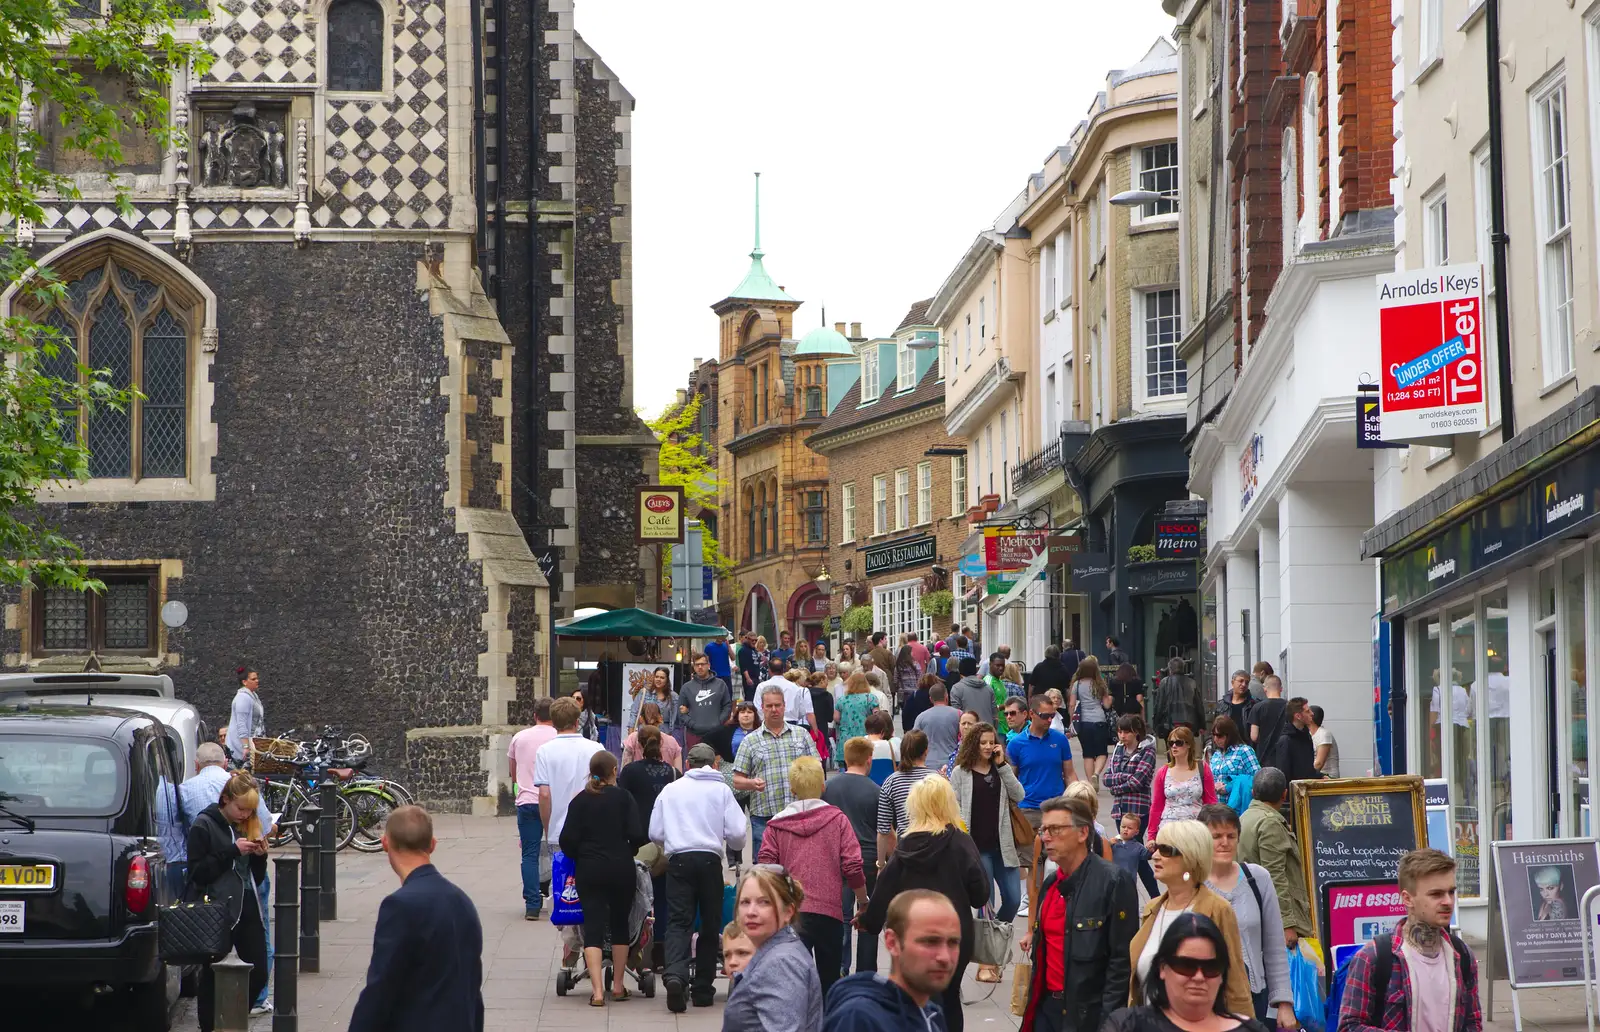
(778, 990)
(934, 853)
(1091, 706)
(1182, 863)
(221, 841)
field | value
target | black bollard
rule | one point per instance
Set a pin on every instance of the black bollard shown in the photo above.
(329, 829)
(287, 920)
(231, 1001)
(310, 888)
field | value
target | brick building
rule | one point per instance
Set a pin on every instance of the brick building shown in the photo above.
(898, 512)
(352, 430)
(1286, 130)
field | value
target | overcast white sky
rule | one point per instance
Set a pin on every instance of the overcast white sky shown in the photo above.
(887, 134)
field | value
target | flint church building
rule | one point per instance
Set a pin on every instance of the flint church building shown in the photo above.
(360, 447)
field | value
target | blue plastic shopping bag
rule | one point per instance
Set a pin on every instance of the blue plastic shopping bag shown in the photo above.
(1305, 979)
(565, 908)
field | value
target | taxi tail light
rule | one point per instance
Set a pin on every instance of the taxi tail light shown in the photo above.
(136, 890)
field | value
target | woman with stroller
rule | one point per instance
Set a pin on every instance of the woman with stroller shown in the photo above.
(221, 841)
(778, 991)
(602, 832)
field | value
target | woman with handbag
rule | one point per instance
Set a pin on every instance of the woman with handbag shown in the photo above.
(986, 789)
(934, 854)
(221, 841)
(1233, 764)
(1091, 701)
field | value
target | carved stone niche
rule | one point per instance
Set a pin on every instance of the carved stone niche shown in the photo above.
(241, 146)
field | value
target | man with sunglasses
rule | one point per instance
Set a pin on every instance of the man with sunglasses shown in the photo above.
(1087, 916)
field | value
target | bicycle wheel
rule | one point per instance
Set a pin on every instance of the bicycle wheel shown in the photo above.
(402, 795)
(278, 799)
(372, 805)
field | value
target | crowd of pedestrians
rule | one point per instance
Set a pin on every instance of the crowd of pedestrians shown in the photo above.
(790, 757)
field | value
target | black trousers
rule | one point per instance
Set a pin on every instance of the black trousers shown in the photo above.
(694, 886)
(250, 940)
(607, 898)
(824, 937)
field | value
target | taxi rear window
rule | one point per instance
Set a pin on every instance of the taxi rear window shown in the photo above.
(58, 775)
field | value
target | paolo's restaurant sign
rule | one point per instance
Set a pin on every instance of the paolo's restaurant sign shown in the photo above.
(660, 515)
(898, 555)
(1432, 353)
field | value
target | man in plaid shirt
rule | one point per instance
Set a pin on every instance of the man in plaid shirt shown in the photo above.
(762, 764)
(1431, 981)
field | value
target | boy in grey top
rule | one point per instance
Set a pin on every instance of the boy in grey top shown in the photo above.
(705, 700)
(941, 722)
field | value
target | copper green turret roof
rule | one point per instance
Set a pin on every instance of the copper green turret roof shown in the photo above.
(758, 284)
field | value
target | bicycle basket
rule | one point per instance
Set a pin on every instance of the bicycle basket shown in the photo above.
(273, 756)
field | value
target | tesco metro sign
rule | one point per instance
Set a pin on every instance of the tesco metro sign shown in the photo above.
(1433, 353)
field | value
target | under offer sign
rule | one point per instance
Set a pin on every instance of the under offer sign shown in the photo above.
(1432, 346)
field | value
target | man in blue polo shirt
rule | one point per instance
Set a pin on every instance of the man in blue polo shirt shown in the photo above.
(1042, 757)
(717, 653)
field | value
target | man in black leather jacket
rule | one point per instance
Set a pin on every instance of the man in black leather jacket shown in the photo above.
(1085, 920)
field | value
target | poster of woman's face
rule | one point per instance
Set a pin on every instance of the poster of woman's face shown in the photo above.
(644, 682)
(1553, 893)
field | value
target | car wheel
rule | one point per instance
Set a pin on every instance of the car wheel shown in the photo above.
(147, 1004)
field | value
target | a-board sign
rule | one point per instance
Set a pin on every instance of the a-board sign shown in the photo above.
(1355, 913)
(1540, 885)
(1355, 830)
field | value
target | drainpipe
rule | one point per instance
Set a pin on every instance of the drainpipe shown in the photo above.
(1497, 214)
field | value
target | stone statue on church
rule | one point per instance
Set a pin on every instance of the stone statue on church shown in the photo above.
(277, 165)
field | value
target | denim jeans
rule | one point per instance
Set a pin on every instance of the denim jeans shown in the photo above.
(531, 830)
(758, 829)
(1008, 878)
(867, 946)
(264, 892)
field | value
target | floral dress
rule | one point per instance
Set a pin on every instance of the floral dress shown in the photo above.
(852, 715)
(1238, 762)
(1184, 799)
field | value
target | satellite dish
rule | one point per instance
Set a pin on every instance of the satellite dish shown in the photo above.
(174, 614)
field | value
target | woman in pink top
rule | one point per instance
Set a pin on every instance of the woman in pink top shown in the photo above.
(815, 843)
(1181, 787)
(671, 751)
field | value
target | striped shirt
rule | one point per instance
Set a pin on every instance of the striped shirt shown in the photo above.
(892, 816)
(765, 755)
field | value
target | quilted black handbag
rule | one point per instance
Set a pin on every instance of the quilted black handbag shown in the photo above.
(194, 932)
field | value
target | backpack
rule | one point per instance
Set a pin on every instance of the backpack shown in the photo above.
(1382, 972)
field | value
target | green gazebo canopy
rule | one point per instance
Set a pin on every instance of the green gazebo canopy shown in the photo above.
(635, 623)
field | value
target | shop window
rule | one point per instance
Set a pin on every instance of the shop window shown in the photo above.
(897, 610)
(355, 46)
(1572, 675)
(1462, 721)
(120, 620)
(1497, 692)
(1428, 670)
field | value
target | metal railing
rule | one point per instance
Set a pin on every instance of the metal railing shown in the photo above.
(1037, 466)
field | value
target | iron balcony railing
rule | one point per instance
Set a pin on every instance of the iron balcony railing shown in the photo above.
(1036, 466)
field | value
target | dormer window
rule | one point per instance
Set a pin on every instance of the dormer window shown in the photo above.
(869, 374)
(905, 376)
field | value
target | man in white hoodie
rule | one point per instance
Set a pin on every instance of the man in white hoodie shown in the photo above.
(695, 819)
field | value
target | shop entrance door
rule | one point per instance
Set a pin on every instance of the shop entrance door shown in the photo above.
(1554, 705)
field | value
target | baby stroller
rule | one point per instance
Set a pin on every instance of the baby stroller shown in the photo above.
(640, 924)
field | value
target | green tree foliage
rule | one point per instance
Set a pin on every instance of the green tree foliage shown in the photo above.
(43, 54)
(857, 620)
(685, 462)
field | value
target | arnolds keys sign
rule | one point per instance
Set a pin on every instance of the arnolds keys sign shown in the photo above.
(1433, 353)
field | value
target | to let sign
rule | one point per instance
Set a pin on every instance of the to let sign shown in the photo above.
(1432, 353)
(660, 515)
(1178, 539)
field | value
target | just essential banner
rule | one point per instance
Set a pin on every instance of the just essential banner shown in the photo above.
(1433, 353)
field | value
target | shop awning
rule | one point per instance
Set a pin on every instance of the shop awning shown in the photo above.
(635, 623)
(1028, 577)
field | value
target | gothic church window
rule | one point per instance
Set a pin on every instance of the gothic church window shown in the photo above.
(355, 46)
(112, 317)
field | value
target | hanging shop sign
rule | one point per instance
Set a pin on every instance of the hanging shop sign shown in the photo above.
(1355, 830)
(1432, 353)
(1063, 547)
(1249, 472)
(660, 515)
(1541, 884)
(1172, 577)
(1007, 552)
(899, 555)
(1369, 425)
(973, 565)
(1091, 572)
(1179, 538)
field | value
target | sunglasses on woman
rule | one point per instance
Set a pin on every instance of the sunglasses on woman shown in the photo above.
(1188, 967)
(1170, 852)
(1176, 743)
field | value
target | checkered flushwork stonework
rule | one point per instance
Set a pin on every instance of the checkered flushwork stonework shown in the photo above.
(386, 160)
(260, 41)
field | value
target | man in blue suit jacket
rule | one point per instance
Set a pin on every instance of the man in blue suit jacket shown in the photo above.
(426, 973)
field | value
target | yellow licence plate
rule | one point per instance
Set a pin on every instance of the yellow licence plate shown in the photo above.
(27, 876)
